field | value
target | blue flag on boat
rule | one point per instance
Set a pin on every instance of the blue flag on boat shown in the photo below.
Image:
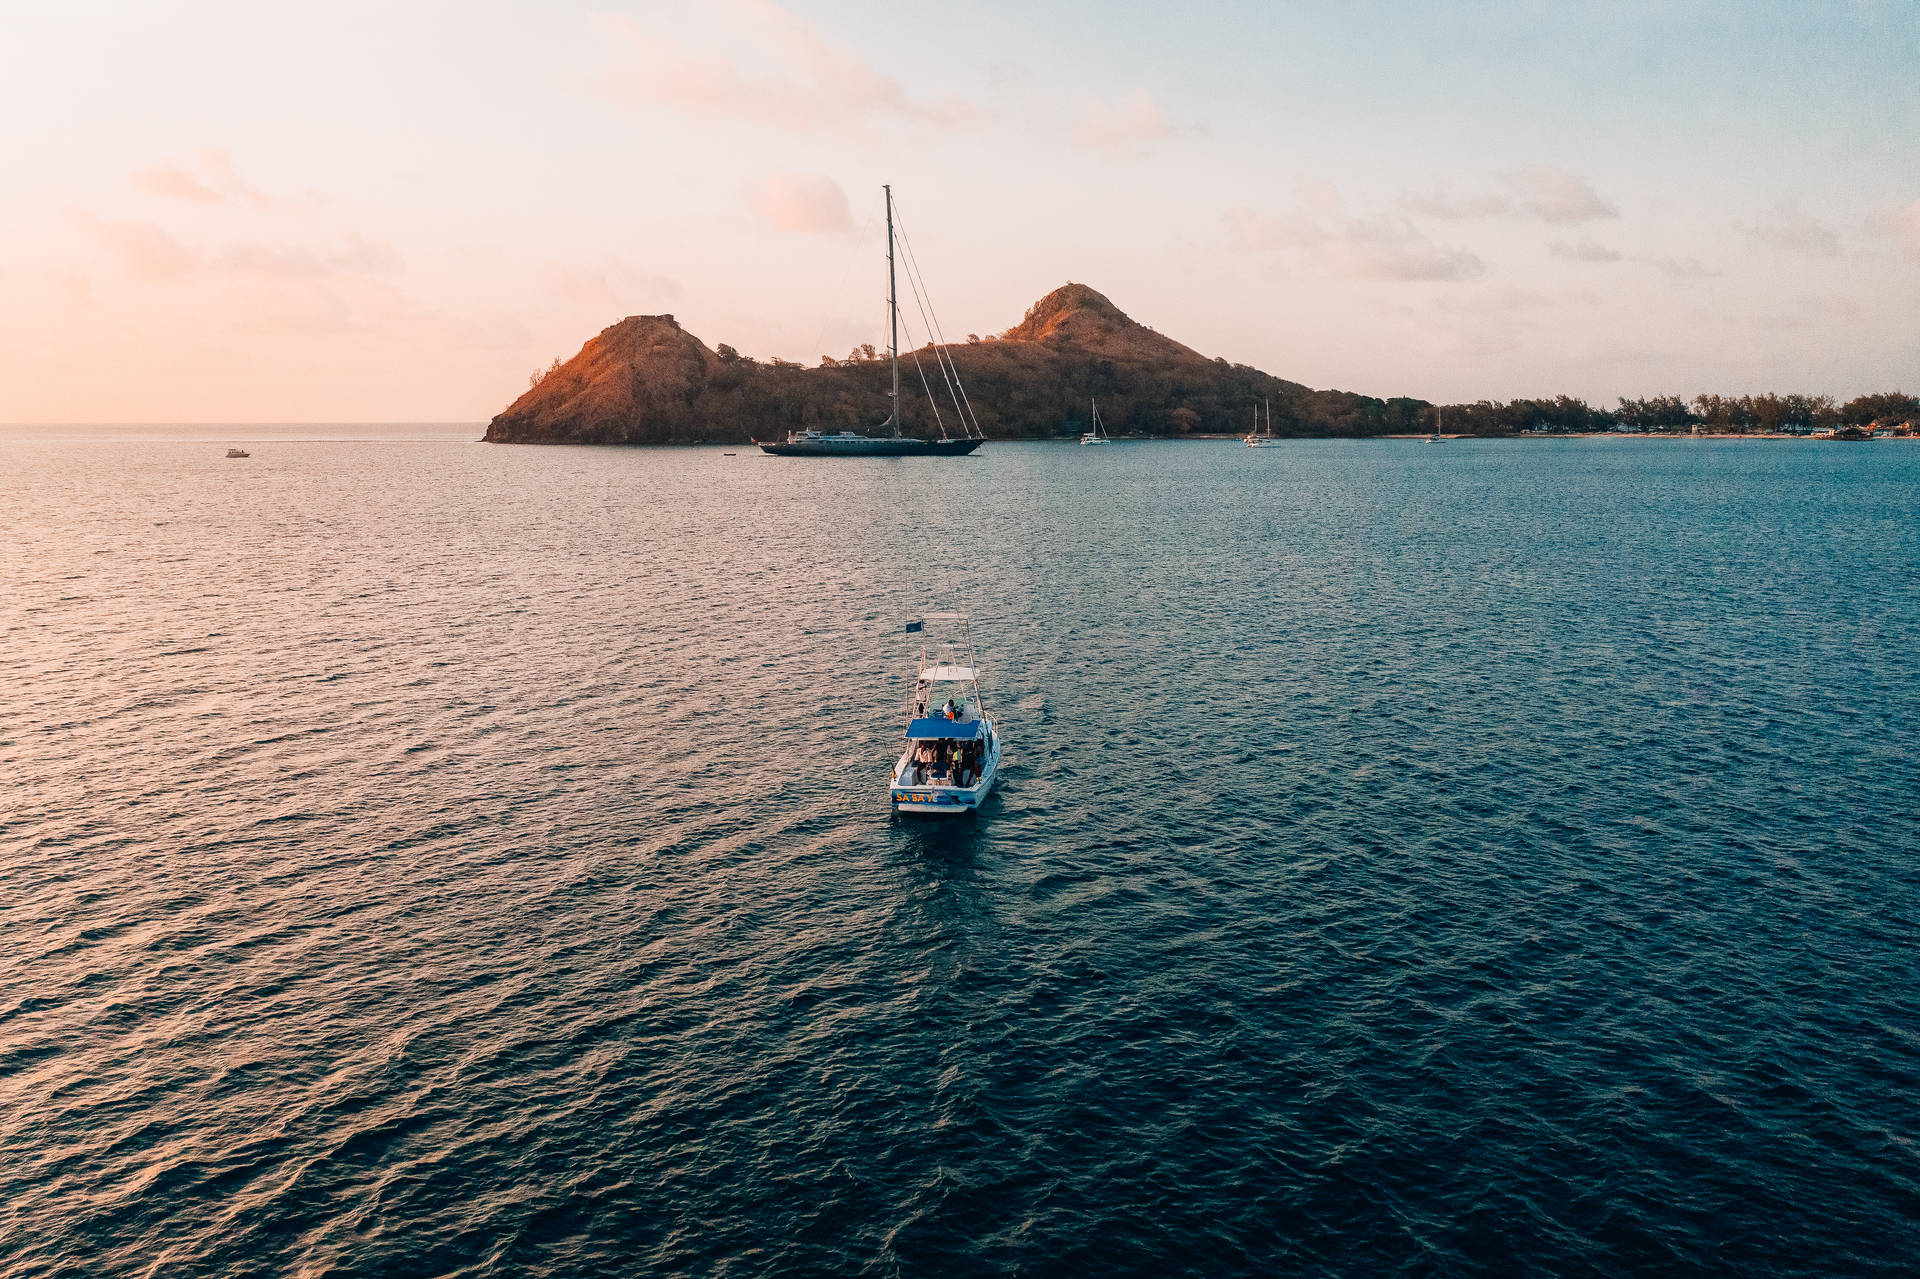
(912, 627)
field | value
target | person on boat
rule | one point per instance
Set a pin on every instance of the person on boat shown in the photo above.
(947, 710)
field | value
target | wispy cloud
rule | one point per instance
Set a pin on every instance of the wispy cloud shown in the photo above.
(146, 251)
(1675, 268)
(1903, 225)
(1558, 197)
(1127, 125)
(1540, 192)
(807, 202)
(209, 178)
(795, 80)
(608, 284)
(1792, 231)
(151, 254)
(1320, 233)
(1444, 205)
(1584, 251)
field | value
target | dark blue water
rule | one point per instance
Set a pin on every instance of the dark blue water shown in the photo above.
(427, 858)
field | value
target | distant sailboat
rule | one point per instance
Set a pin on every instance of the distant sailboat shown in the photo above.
(1096, 435)
(1256, 440)
(893, 444)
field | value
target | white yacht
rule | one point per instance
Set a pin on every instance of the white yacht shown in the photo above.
(953, 749)
(1097, 435)
(1257, 440)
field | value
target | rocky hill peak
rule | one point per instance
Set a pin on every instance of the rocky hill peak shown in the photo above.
(1078, 316)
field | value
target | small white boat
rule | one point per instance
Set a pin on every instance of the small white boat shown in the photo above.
(953, 749)
(1097, 435)
(238, 453)
(1435, 437)
(1257, 440)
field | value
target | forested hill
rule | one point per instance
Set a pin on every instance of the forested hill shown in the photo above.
(646, 380)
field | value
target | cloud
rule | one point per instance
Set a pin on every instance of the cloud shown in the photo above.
(807, 202)
(1792, 231)
(352, 255)
(1584, 251)
(1547, 194)
(1127, 125)
(216, 181)
(1903, 224)
(802, 83)
(1677, 268)
(1319, 232)
(1558, 197)
(609, 284)
(152, 254)
(145, 251)
(1439, 203)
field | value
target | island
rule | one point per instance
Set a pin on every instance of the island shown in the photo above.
(646, 380)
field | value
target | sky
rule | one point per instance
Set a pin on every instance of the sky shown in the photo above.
(394, 211)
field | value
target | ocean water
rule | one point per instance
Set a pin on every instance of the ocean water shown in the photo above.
(420, 857)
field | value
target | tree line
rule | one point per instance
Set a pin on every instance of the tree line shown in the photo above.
(1770, 413)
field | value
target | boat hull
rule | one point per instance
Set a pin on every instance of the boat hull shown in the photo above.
(869, 446)
(944, 801)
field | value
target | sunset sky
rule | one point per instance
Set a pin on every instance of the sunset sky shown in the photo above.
(396, 211)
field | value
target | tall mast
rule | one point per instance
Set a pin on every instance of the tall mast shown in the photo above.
(893, 316)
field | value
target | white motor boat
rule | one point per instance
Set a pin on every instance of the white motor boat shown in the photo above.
(953, 748)
(1097, 435)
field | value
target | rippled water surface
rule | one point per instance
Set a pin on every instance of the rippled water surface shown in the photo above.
(420, 857)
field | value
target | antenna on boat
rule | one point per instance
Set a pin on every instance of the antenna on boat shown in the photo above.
(893, 315)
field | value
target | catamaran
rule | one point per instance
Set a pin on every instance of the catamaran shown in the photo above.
(1257, 440)
(893, 443)
(953, 749)
(1096, 435)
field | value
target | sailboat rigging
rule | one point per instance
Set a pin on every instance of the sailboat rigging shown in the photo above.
(1256, 440)
(894, 443)
(1097, 435)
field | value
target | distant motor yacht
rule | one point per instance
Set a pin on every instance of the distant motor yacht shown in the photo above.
(953, 749)
(238, 453)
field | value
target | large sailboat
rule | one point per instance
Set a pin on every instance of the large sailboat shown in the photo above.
(893, 443)
(1257, 440)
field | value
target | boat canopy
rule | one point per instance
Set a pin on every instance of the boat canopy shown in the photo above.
(948, 674)
(945, 730)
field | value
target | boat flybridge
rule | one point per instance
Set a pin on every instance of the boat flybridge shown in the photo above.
(894, 443)
(1098, 434)
(953, 749)
(1257, 440)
